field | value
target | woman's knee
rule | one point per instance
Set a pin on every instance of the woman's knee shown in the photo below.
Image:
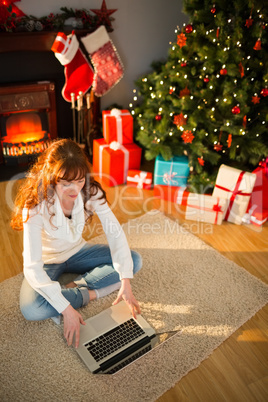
(137, 261)
(28, 312)
(32, 306)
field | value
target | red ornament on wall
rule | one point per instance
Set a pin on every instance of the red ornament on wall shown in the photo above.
(104, 14)
(236, 110)
(189, 28)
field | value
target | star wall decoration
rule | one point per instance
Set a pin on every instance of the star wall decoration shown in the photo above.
(104, 14)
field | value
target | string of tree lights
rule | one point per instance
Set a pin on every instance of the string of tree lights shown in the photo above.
(208, 100)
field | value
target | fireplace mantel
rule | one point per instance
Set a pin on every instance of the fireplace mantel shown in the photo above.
(31, 41)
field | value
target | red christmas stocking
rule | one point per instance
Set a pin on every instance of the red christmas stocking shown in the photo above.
(77, 69)
(105, 59)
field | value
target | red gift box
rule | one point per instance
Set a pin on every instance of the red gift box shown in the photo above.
(112, 161)
(257, 212)
(177, 195)
(117, 126)
(139, 179)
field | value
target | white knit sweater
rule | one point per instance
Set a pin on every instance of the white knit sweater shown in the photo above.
(46, 243)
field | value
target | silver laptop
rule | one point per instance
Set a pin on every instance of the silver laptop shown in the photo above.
(113, 338)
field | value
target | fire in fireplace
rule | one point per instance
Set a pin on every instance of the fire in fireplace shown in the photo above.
(27, 121)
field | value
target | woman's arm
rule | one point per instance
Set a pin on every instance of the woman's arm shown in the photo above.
(33, 264)
(120, 252)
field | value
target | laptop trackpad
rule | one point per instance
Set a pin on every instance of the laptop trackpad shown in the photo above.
(100, 324)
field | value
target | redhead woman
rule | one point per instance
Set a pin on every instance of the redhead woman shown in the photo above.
(56, 200)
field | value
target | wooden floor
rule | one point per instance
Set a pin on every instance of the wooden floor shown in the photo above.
(238, 369)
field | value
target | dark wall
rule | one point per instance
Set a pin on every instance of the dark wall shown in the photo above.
(17, 67)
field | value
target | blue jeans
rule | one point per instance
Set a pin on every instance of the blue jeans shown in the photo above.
(94, 265)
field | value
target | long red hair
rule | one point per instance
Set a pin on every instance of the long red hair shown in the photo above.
(64, 159)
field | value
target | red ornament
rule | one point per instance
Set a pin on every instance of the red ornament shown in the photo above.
(255, 99)
(180, 120)
(236, 110)
(184, 64)
(245, 121)
(241, 69)
(218, 147)
(7, 8)
(218, 32)
(257, 45)
(104, 14)
(229, 141)
(213, 10)
(206, 79)
(184, 92)
(187, 136)
(223, 71)
(181, 40)
(189, 28)
(201, 161)
(264, 92)
(249, 22)
(171, 90)
(158, 117)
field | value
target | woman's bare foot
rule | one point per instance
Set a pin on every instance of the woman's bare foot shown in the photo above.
(92, 293)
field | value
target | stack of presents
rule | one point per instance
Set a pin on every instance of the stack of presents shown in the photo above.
(238, 196)
(116, 159)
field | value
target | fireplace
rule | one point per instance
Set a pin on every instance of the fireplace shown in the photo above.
(27, 121)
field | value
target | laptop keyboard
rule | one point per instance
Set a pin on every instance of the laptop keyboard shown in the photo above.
(114, 339)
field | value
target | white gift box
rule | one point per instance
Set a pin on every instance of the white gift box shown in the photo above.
(205, 208)
(236, 186)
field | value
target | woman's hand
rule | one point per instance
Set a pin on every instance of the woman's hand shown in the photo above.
(125, 293)
(72, 320)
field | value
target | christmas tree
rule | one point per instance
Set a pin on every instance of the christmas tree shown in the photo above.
(209, 99)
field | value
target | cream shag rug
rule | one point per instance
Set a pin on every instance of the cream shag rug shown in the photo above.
(184, 285)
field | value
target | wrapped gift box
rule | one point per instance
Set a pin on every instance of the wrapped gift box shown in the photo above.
(205, 208)
(236, 186)
(139, 179)
(178, 195)
(256, 217)
(112, 161)
(174, 172)
(117, 126)
(257, 212)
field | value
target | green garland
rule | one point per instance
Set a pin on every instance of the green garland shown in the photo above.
(83, 19)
